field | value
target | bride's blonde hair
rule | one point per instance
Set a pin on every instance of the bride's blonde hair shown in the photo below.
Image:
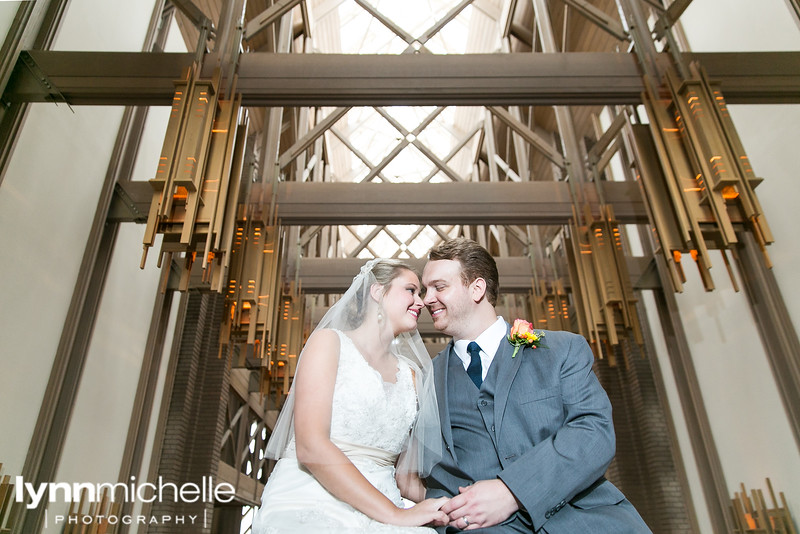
(384, 271)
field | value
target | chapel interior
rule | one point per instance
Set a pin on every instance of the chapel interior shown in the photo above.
(186, 186)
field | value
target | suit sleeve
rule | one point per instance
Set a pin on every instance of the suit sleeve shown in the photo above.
(552, 472)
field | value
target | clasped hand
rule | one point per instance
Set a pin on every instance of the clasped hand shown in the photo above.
(483, 504)
(425, 512)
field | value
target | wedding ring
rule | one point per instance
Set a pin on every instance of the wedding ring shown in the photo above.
(466, 521)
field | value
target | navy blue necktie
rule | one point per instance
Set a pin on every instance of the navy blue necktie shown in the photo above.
(474, 369)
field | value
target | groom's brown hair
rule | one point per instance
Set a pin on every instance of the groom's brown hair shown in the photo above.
(476, 262)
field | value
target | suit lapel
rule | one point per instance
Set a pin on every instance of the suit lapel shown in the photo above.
(441, 365)
(507, 368)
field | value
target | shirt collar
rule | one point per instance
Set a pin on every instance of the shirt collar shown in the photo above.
(489, 341)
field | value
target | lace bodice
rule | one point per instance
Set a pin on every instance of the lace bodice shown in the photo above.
(366, 410)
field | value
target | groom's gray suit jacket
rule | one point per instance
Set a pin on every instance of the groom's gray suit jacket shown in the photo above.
(541, 422)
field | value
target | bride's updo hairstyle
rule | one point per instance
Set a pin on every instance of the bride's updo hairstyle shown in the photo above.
(384, 272)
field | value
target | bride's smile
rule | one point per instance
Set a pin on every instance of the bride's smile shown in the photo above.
(402, 302)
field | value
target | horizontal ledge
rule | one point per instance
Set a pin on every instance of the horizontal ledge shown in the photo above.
(334, 275)
(481, 203)
(267, 79)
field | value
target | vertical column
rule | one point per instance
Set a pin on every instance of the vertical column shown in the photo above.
(196, 417)
(709, 466)
(34, 28)
(136, 445)
(794, 6)
(774, 325)
(644, 467)
(271, 133)
(563, 114)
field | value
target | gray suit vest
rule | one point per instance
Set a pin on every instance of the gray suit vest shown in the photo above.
(472, 421)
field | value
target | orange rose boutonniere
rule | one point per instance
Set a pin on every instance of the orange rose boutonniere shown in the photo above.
(523, 335)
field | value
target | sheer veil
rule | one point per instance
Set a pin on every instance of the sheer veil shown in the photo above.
(424, 445)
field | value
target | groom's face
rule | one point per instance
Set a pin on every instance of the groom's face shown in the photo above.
(446, 297)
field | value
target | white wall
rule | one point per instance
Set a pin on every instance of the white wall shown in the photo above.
(59, 163)
(105, 398)
(96, 437)
(770, 135)
(748, 421)
(47, 202)
(7, 12)
(159, 391)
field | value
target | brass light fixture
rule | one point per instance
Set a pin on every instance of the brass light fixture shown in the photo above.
(196, 188)
(701, 182)
(550, 305)
(6, 493)
(602, 288)
(752, 514)
(253, 292)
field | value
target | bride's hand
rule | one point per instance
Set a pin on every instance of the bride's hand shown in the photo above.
(423, 513)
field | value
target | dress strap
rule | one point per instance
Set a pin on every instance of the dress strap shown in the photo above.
(354, 451)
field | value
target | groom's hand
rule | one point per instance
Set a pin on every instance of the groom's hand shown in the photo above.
(483, 504)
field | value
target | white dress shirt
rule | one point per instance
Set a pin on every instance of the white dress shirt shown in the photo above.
(489, 341)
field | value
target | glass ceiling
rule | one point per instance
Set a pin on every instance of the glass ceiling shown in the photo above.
(402, 144)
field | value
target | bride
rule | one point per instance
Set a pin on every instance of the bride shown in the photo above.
(361, 424)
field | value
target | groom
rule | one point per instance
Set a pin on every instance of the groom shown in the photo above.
(527, 436)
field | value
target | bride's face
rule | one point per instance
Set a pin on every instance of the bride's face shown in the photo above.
(402, 302)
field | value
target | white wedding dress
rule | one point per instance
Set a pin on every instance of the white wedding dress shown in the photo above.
(370, 420)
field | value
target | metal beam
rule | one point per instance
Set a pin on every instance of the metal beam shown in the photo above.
(448, 203)
(709, 466)
(521, 152)
(537, 141)
(324, 275)
(566, 125)
(329, 203)
(427, 152)
(573, 78)
(386, 21)
(676, 9)
(34, 27)
(794, 6)
(364, 241)
(145, 397)
(599, 148)
(438, 25)
(357, 153)
(453, 151)
(301, 145)
(507, 17)
(268, 16)
(53, 421)
(599, 17)
(415, 141)
(193, 13)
